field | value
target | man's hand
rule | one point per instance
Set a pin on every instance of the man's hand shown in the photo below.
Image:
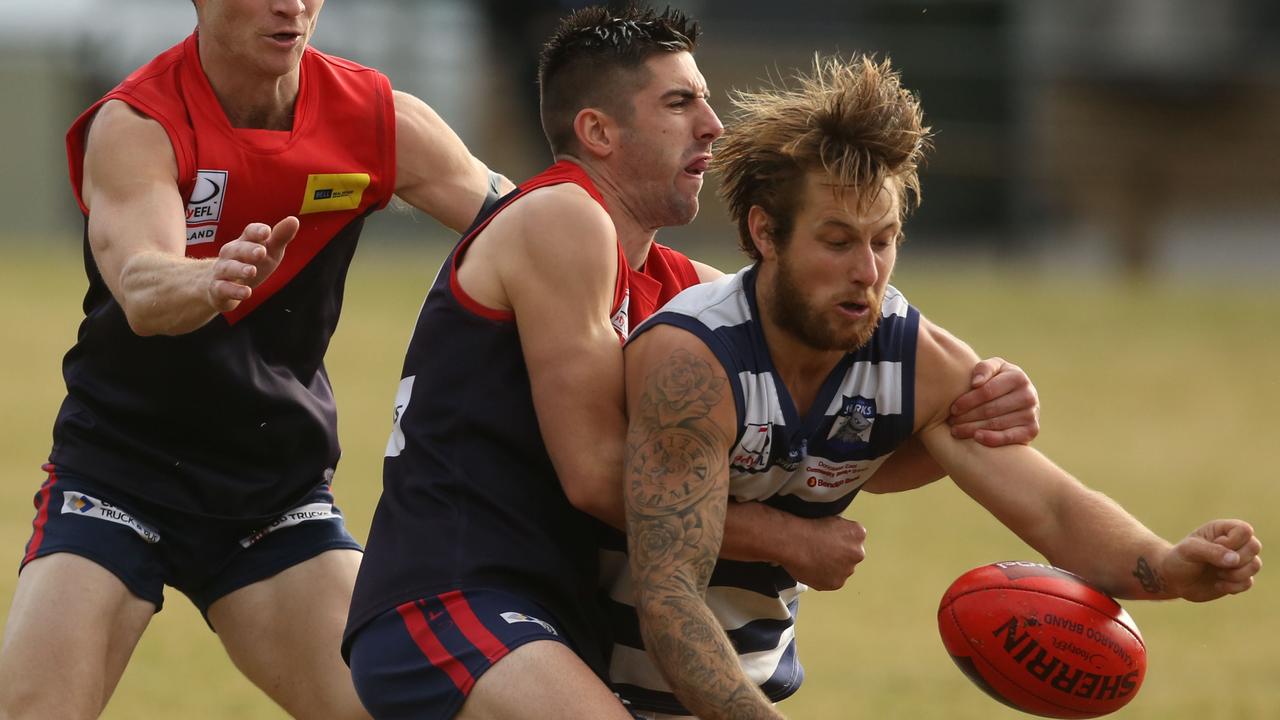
(1002, 408)
(1219, 558)
(246, 262)
(826, 551)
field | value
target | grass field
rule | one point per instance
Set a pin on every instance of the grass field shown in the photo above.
(1163, 395)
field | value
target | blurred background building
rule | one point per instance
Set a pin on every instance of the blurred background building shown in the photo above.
(1140, 136)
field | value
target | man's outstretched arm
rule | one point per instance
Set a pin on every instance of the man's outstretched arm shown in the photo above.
(1074, 527)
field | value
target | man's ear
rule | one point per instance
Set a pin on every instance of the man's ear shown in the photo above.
(762, 232)
(596, 131)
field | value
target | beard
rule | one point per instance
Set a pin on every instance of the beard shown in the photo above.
(792, 312)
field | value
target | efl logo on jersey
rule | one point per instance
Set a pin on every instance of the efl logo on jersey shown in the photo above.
(331, 192)
(77, 503)
(204, 208)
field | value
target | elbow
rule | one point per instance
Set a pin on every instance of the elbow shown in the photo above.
(593, 501)
(139, 303)
(142, 323)
(582, 501)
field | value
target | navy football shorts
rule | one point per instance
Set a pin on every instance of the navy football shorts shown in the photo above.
(149, 546)
(421, 659)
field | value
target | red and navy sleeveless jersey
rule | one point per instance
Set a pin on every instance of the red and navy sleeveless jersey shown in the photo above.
(470, 497)
(237, 418)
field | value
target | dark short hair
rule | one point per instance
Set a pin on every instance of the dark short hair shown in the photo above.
(595, 58)
(852, 119)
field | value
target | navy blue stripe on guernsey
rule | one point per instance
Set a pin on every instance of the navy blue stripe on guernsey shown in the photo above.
(783, 682)
(757, 635)
(757, 577)
(788, 676)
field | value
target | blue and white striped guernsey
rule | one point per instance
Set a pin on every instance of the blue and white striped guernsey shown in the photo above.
(811, 466)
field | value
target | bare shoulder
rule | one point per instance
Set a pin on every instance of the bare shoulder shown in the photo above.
(128, 161)
(426, 145)
(126, 135)
(706, 273)
(944, 364)
(660, 342)
(666, 360)
(554, 238)
(675, 384)
(564, 224)
(420, 127)
(118, 116)
(435, 172)
(564, 202)
(410, 107)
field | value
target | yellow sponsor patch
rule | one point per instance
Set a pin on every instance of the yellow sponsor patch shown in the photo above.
(337, 191)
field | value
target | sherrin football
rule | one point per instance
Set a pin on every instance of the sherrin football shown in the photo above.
(1042, 640)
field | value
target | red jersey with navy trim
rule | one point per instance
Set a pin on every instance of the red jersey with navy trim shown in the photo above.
(470, 496)
(234, 419)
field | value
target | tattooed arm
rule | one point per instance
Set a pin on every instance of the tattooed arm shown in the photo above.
(677, 489)
(1074, 527)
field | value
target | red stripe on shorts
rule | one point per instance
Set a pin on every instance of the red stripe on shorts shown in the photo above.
(42, 514)
(474, 630)
(430, 646)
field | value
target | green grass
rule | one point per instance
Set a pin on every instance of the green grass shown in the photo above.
(1163, 396)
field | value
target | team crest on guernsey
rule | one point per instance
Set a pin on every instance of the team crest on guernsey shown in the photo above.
(204, 207)
(853, 423)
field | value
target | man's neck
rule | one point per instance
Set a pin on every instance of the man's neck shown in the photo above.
(248, 98)
(802, 368)
(635, 239)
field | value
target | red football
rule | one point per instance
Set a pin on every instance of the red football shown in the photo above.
(1042, 640)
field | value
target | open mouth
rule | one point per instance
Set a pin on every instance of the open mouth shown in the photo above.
(285, 38)
(698, 167)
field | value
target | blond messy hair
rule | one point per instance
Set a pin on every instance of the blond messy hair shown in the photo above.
(850, 118)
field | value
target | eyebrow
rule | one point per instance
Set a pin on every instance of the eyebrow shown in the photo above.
(685, 94)
(843, 225)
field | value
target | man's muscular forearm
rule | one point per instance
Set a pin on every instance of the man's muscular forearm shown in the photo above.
(676, 500)
(671, 553)
(696, 658)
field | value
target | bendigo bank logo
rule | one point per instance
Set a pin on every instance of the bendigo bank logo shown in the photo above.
(204, 207)
(333, 191)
